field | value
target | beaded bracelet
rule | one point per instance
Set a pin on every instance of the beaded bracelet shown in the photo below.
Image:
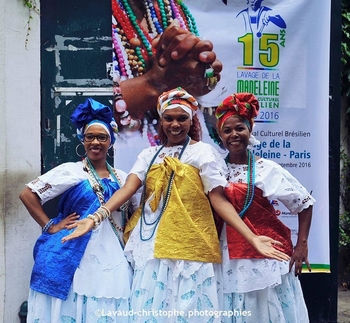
(47, 226)
(125, 206)
(98, 216)
(107, 211)
(120, 107)
(102, 214)
(94, 218)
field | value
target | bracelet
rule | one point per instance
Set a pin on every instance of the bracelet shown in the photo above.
(101, 214)
(94, 218)
(120, 107)
(47, 226)
(125, 206)
(107, 211)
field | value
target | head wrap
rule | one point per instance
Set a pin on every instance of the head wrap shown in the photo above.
(93, 112)
(177, 98)
(243, 105)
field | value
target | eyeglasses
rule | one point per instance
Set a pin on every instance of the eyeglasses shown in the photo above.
(100, 138)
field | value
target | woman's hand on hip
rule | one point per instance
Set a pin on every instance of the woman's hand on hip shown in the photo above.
(70, 219)
(300, 255)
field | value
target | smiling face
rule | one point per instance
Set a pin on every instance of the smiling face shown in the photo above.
(176, 124)
(235, 137)
(96, 150)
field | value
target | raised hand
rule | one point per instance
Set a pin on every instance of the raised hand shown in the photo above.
(176, 43)
(182, 58)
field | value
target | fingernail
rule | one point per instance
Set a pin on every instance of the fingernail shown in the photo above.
(175, 22)
(162, 61)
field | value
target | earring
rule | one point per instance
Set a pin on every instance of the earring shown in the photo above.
(109, 154)
(76, 151)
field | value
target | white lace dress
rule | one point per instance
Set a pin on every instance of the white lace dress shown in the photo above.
(163, 288)
(101, 285)
(263, 290)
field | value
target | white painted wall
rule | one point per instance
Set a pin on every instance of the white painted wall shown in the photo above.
(19, 151)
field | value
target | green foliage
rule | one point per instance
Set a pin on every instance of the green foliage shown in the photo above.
(344, 219)
(32, 6)
(344, 229)
(345, 47)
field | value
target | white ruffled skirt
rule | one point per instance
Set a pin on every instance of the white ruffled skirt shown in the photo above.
(100, 290)
(165, 290)
(260, 291)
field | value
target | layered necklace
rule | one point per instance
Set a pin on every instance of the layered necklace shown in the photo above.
(155, 222)
(132, 44)
(98, 188)
(250, 182)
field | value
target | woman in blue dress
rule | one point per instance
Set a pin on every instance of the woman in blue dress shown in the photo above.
(87, 279)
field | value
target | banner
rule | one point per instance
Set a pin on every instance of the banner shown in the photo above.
(279, 51)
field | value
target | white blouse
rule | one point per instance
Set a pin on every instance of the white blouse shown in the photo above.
(246, 275)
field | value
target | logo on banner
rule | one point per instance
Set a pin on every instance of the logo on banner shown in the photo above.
(265, 36)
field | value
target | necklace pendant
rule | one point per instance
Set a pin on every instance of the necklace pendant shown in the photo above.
(97, 188)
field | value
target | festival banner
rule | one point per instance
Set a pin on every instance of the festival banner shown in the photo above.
(279, 51)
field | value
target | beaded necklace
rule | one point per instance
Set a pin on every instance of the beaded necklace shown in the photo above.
(167, 195)
(250, 181)
(99, 189)
(135, 41)
(132, 44)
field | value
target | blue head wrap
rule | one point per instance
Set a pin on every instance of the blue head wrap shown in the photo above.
(92, 110)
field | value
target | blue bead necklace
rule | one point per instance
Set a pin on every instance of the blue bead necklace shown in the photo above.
(167, 195)
(250, 181)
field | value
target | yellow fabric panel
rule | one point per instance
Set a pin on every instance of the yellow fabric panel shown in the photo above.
(187, 229)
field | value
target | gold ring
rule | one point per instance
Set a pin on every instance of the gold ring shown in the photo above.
(211, 82)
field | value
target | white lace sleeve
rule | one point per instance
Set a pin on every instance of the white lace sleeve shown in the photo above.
(57, 180)
(279, 184)
(212, 168)
(142, 162)
(135, 199)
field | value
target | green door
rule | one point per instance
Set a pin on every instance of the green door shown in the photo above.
(76, 53)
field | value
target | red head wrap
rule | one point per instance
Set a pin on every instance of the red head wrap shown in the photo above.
(243, 105)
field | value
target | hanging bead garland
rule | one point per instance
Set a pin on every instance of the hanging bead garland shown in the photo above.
(158, 14)
(143, 221)
(119, 105)
(250, 182)
(132, 49)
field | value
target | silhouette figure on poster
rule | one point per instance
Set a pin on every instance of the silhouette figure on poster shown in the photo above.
(257, 17)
